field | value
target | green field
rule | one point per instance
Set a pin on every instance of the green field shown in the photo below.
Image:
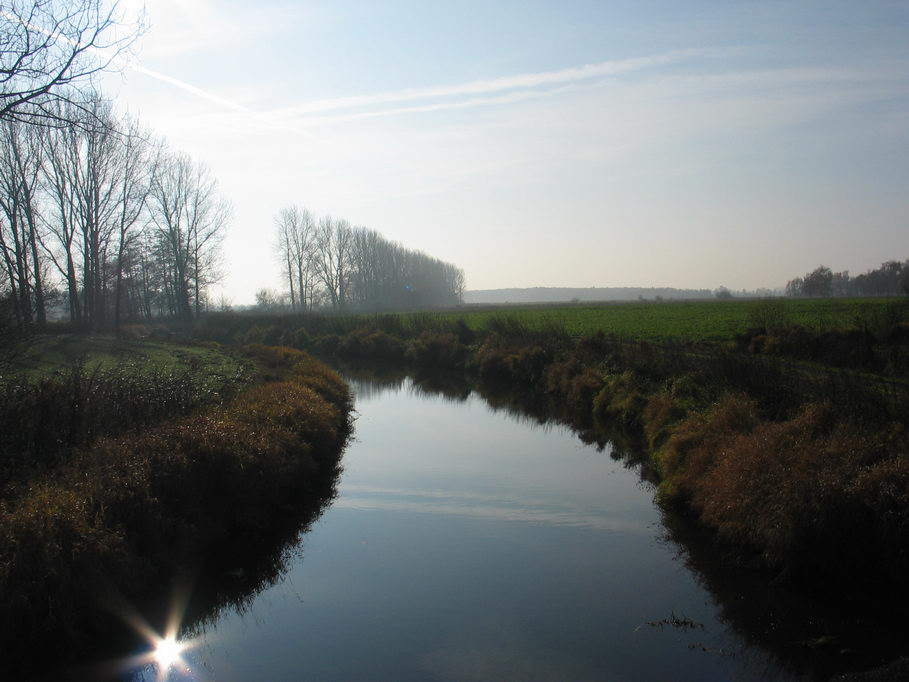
(686, 321)
(44, 355)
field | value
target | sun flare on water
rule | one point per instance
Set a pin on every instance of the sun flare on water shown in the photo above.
(167, 653)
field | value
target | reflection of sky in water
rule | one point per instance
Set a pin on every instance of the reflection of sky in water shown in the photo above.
(467, 546)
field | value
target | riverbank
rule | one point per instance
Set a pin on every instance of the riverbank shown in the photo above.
(799, 467)
(91, 535)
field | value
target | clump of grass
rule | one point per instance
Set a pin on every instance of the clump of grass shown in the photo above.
(622, 399)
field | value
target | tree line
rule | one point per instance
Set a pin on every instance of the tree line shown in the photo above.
(891, 279)
(327, 262)
(97, 215)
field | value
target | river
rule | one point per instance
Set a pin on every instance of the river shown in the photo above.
(473, 543)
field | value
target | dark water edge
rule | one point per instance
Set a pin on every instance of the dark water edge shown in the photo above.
(812, 637)
(198, 592)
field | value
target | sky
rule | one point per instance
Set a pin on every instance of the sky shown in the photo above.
(573, 144)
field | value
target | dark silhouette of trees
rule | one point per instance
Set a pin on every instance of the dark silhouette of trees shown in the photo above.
(20, 164)
(819, 282)
(891, 279)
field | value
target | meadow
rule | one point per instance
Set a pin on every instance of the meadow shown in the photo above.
(714, 322)
(676, 321)
(43, 355)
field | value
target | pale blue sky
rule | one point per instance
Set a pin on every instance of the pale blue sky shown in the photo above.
(686, 144)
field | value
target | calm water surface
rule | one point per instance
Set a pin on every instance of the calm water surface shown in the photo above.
(468, 544)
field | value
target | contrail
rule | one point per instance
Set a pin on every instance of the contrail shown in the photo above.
(480, 87)
(221, 101)
(507, 98)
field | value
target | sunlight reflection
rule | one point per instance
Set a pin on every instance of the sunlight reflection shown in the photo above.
(167, 654)
(163, 654)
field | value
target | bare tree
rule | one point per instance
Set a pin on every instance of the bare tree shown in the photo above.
(20, 164)
(135, 169)
(189, 218)
(61, 179)
(92, 174)
(296, 242)
(334, 241)
(48, 48)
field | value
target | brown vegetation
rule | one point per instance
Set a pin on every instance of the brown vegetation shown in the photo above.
(123, 514)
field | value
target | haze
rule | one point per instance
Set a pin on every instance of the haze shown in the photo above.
(582, 144)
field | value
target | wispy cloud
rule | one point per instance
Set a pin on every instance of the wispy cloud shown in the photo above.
(525, 82)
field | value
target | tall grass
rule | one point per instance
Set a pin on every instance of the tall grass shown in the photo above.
(47, 418)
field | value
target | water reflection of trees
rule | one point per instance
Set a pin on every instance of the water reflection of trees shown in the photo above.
(234, 577)
(534, 409)
(813, 637)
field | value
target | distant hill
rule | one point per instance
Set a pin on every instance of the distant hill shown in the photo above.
(566, 294)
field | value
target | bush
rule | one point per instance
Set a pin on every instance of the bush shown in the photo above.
(622, 400)
(376, 344)
(438, 349)
(574, 383)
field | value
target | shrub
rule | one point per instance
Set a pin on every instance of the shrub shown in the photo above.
(660, 413)
(574, 383)
(622, 399)
(438, 349)
(372, 343)
(698, 441)
(299, 338)
(327, 344)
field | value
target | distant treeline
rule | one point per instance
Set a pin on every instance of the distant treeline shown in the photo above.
(564, 294)
(891, 279)
(329, 263)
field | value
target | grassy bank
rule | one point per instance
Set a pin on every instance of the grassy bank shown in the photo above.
(796, 463)
(119, 516)
(63, 392)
